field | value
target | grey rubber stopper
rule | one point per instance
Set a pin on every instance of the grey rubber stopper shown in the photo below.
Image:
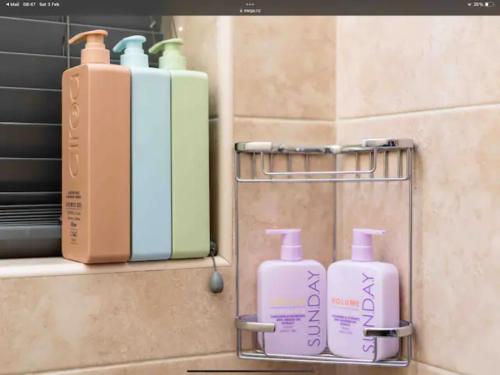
(216, 282)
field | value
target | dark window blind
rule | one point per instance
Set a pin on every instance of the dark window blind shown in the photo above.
(33, 56)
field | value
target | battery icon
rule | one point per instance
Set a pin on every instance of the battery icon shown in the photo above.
(489, 4)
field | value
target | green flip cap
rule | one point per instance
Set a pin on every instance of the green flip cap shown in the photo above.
(172, 58)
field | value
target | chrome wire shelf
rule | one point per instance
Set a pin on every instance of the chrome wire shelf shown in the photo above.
(372, 161)
(263, 157)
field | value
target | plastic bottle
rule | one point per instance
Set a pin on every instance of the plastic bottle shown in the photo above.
(95, 156)
(291, 294)
(151, 153)
(362, 294)
(190, 158)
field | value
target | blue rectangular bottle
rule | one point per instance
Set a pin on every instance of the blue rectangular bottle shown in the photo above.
(150, 152)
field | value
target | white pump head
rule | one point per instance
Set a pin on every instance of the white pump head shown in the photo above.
(291, 246)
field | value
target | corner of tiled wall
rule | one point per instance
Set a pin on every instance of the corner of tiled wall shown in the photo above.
(433, 79)
(284, 91)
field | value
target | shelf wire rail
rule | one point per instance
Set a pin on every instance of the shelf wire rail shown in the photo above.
(255, 162)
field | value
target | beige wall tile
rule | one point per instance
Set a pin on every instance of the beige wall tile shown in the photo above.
(229, 361)
(284, 67)
(399, 64)
(423, 369)
(284, 131)
(457, 265)
(221, 180)
(225, 361)
(200, 34)
(77, 321)
(415, 368)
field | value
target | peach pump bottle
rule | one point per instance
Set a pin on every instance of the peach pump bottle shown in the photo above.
(95, 156)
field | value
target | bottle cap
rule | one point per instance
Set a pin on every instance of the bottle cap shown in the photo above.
(133, 52)
(172, 57)
(362, 243)
(291, 246)
(95, 51)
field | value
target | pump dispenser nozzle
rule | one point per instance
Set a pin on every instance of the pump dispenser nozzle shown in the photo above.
(172, 58)
(134, 53)
(291, 247)
(362, 243)
(95, 51)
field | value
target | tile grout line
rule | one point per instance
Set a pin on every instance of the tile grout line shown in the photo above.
(291, 119)
(420, 112)
(336, 48)
(119, 365)
(124, 365)
(438, 367)
(222, 262)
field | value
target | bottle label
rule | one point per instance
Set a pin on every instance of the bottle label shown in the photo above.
(301, 315)
(73, 204)
(352, 314)
(73, 198)
(74, 126)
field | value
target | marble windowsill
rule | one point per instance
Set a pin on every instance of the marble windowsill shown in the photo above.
(37, 267)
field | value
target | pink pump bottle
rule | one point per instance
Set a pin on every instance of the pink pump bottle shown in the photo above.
(362, 294)
(291, 294)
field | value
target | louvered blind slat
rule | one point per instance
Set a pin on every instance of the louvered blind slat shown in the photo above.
(30, 174)
(32, 36)
(28, 70)
(29, 105)
(127, 22)
(18, 140)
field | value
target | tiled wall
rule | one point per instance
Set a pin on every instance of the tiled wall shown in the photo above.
(436, 80)
(307, 80)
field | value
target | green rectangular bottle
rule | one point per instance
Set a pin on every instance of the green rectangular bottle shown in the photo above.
(190, 153)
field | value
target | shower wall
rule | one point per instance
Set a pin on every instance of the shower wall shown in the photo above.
(307, 80)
